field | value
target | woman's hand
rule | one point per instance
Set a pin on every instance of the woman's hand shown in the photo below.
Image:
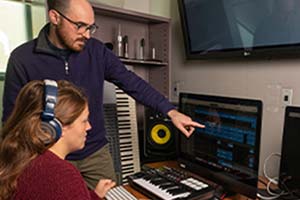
(103, 186)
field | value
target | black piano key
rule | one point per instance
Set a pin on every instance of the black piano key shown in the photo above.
(157, 182)
(165, 185)
(176, 191)
(147, 177)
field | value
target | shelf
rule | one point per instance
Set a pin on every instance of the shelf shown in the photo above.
(143, 62)
(131, 15)
(156, 32)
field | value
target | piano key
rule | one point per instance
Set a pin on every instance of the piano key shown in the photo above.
(159, 192)
(169, 184)
(119, 193)
(128, 135)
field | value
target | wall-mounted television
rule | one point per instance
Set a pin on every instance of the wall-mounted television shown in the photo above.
(240, 28)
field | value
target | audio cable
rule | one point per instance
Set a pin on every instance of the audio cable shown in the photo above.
(271, 180)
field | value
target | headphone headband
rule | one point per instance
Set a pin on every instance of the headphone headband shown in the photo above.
(50, 99)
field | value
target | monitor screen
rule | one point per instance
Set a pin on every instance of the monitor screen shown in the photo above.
(227, 149)
(242, 28)
(290, 162)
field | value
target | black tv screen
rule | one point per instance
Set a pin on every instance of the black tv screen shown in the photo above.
(222, 28)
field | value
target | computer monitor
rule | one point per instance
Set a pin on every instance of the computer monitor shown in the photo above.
(290, 163)
(226, 151)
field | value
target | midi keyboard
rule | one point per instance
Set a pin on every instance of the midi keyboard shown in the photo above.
(167, 183)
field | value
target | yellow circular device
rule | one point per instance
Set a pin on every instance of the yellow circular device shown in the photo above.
(160, 134)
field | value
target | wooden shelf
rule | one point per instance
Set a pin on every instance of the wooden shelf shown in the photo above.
(143, 62)
(156, 32)
(131, 15)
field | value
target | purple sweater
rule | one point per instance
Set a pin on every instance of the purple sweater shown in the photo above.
(48, 177)
(88, 69)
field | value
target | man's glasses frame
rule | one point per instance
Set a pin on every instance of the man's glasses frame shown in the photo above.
(81, 27)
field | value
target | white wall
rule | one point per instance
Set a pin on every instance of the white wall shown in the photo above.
(140, 5)
(160, 7)
(259, 79)
(9, 37)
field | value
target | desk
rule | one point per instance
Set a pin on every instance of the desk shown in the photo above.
(175, 165)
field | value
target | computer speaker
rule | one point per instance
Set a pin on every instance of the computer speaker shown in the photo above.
(158, 142)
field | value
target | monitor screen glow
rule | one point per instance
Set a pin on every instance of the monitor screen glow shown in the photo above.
(227, 149)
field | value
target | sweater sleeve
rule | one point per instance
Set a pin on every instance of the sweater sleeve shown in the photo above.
(52, 178)
(15, 79)
(73, 186)
(94, 196)
(133, 85)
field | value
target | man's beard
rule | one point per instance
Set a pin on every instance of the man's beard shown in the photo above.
(63, 40)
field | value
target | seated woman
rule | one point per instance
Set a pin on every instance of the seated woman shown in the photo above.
(49, 120)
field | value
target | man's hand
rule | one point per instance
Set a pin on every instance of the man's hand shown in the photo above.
(184, 123)
(103, 186)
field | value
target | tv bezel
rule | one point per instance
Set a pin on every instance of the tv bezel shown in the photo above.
(282, 51)
(227, 182)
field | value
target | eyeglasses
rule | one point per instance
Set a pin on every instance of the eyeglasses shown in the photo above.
(81, 27)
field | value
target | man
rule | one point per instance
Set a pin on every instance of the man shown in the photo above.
(65, 50)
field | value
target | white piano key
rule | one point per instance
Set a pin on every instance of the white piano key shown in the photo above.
(119, 193)
(161, 193)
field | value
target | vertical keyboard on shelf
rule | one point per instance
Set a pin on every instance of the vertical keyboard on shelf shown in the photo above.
(128, 134)
(121, 125)
(168, 183)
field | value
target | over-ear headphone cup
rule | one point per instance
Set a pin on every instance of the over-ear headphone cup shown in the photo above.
(50, 125)
(49, 129)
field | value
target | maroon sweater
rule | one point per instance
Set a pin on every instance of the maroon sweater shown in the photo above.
(50, 178)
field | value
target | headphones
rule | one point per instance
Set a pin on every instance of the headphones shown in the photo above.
(49, 123)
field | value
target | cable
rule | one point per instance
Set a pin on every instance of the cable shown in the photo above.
(273, 180)
(289, 192)
(219, 193)
(223, 195)
(267, 198)
(273, 193)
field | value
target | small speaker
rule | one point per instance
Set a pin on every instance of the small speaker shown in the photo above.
(158, 142)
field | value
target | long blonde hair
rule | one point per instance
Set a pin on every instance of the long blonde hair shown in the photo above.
(22, 136)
